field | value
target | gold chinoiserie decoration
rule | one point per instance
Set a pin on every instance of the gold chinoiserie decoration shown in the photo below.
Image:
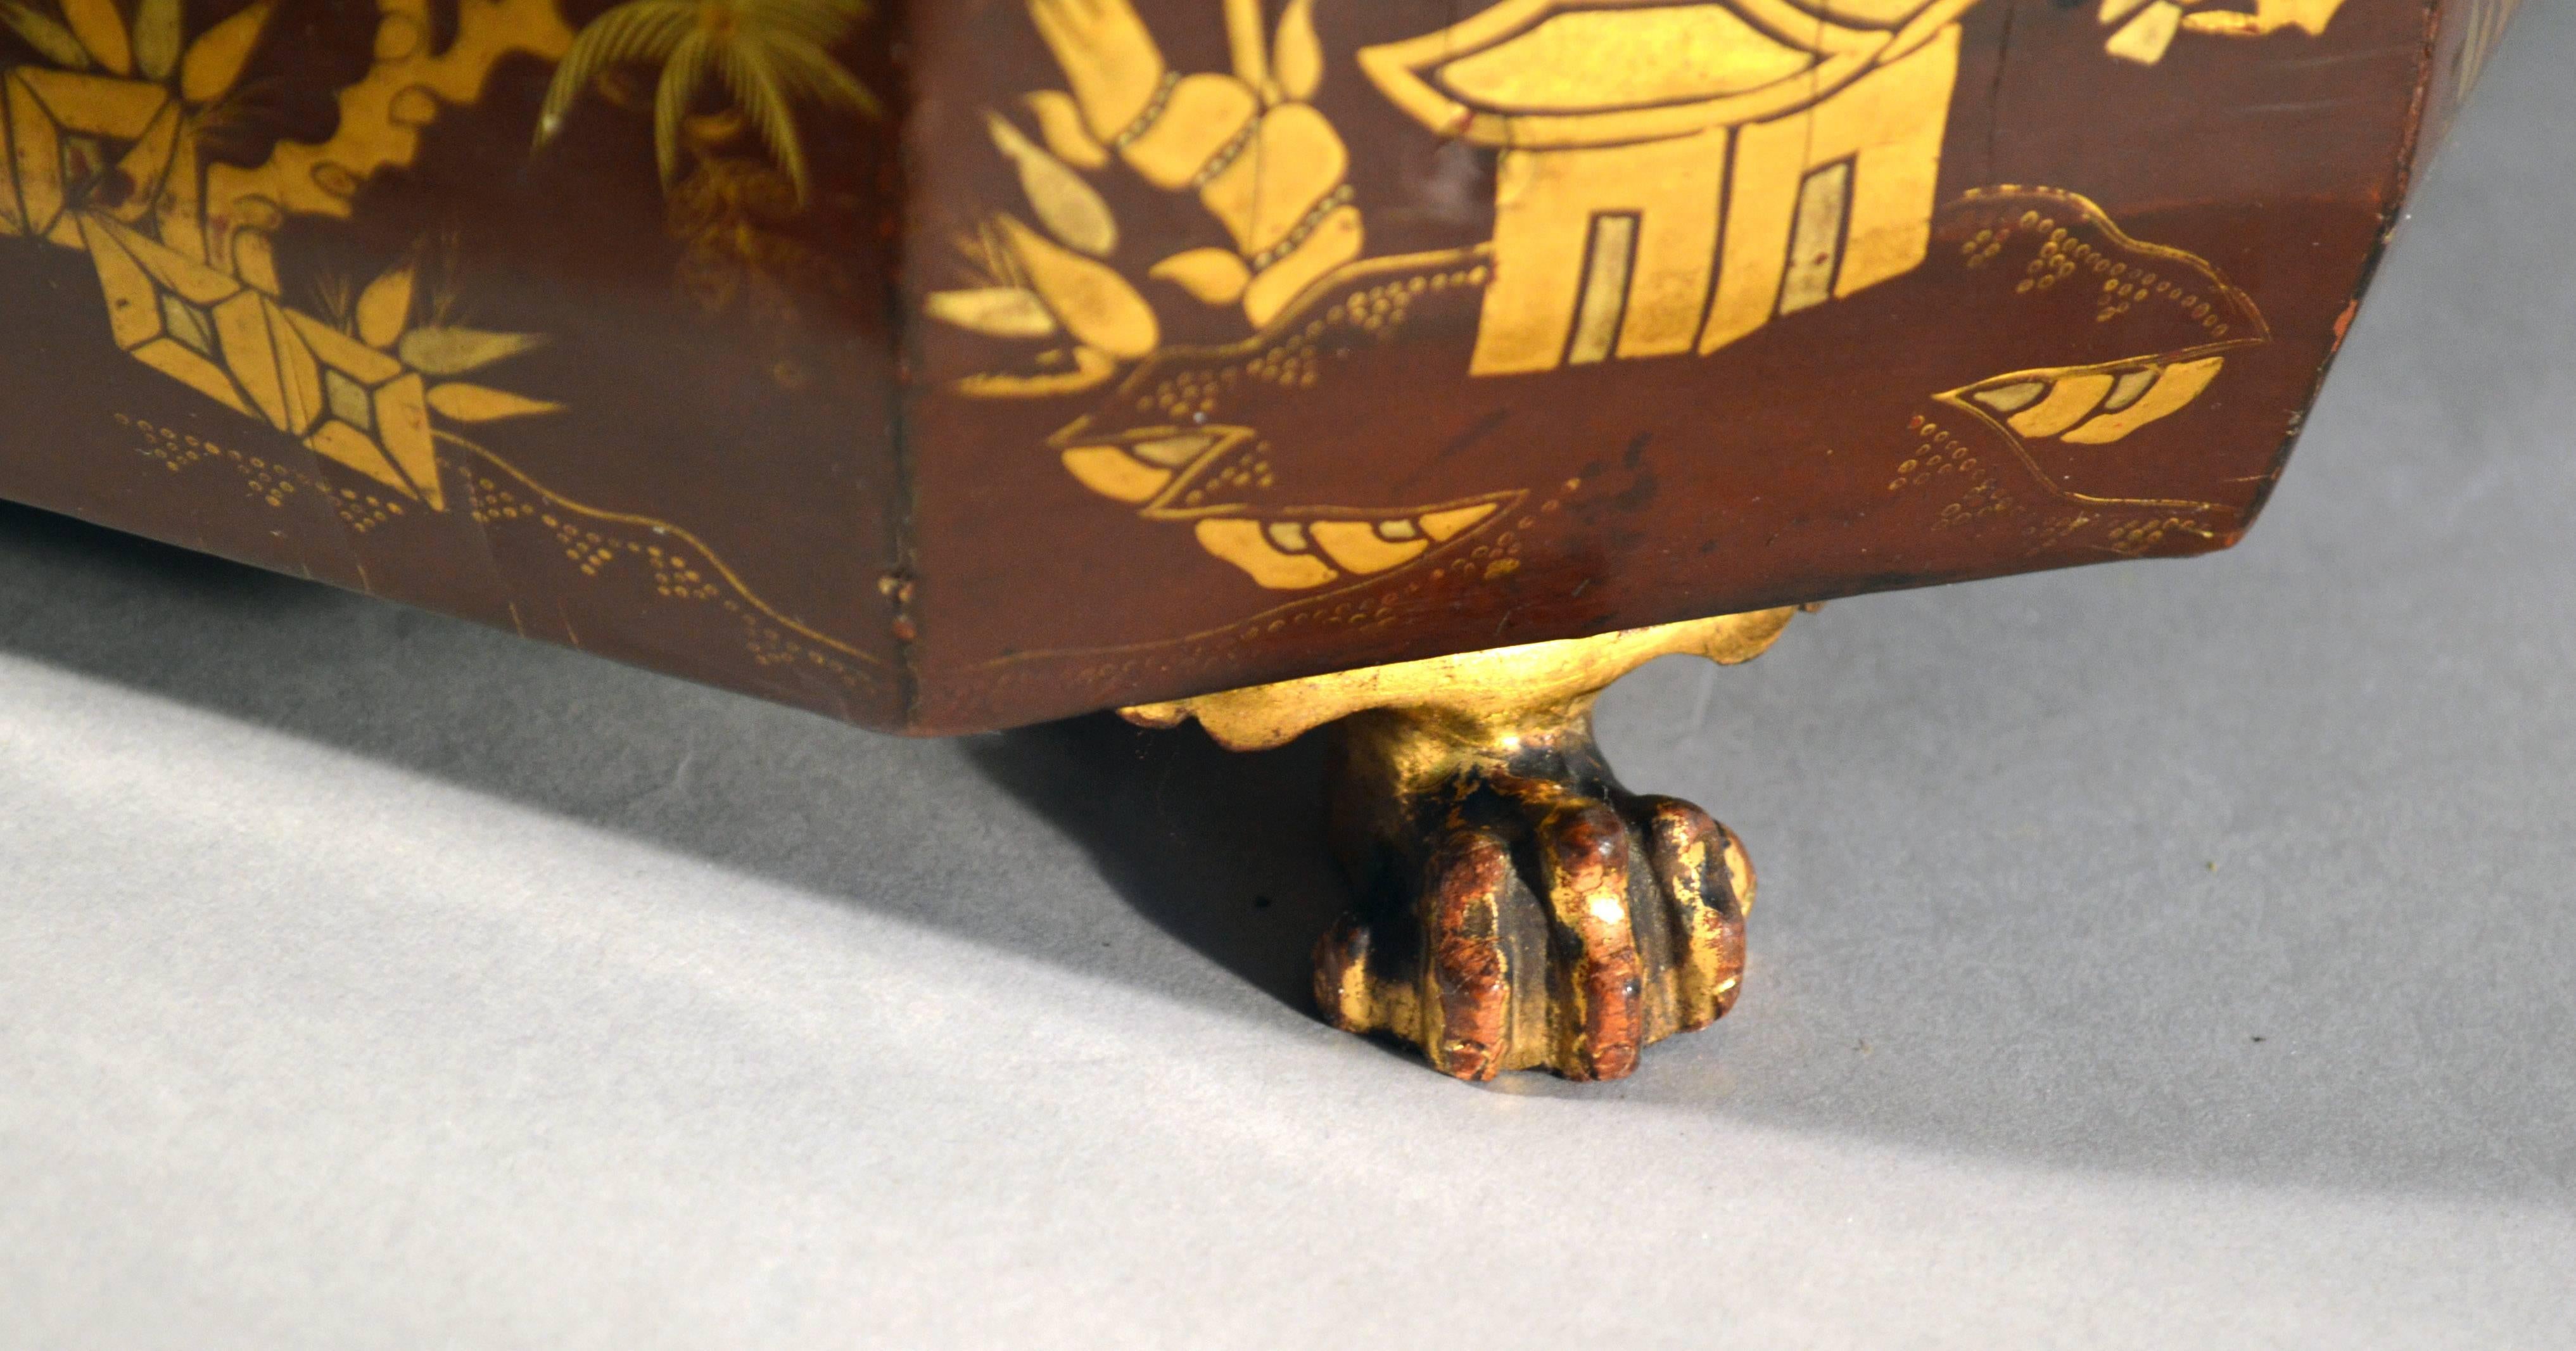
(104, 158)
(1671, 177)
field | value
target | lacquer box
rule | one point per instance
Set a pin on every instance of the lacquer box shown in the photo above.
(1417, 366)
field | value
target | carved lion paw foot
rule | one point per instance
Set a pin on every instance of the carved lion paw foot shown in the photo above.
(1518, 909)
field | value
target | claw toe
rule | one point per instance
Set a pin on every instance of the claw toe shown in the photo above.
(1701, 873)
(1470, 976)
(1584, 852)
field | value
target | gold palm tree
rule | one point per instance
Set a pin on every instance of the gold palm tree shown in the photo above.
(768, 54)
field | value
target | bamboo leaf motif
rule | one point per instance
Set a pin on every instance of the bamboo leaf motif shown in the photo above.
(1060, 122)
(1297, 54)
(1243, 42)
(157, 37)
(1070, 208)
(214, 62)
(446, 350)
(1094, 303)
(996, 311)
(462, 402)
(1108, 56)
(46, 34)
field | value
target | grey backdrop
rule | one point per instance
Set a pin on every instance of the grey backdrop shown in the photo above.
(2158, 954)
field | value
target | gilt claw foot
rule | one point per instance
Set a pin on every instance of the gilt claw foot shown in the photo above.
(1519, 909)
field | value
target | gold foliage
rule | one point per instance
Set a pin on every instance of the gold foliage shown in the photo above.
(1214, 276)
(1090, 369)
(476, 403)
(102, 30)
(1070, 208)
(1109, 57)
(46, 34)
(441, 350)
(384, 307)
(1297, 55)
(1093, 302)
(996, 311)
(1267, 166)
(768, 55)
(157, 36)
(1673, 175)
(92, 35)
(1059, 120)
(759, 89)
(183, 257)
(216, 60)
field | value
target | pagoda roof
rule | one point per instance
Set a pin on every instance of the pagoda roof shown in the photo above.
(1568, 73)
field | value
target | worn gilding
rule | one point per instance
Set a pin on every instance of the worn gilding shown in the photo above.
(1517, 908)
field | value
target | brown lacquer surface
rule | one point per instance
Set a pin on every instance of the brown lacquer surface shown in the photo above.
(967, 363)
(302, 285)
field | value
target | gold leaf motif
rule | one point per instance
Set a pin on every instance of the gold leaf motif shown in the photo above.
(476, 403)
(648, 30)
(1243, 41)
(102, 30)
(1297, 55)
(762, 96)
(810, 72)
(769, 54)
(1060, 122)
(46, 34)
(1092, 301)
(1215, 276)
(1069, 208)
(996, 311)
(2173, 389)
(157, 37)
(383, 307)
(682, 70)
(454, 351)
(215, 60)
(1090, 369)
